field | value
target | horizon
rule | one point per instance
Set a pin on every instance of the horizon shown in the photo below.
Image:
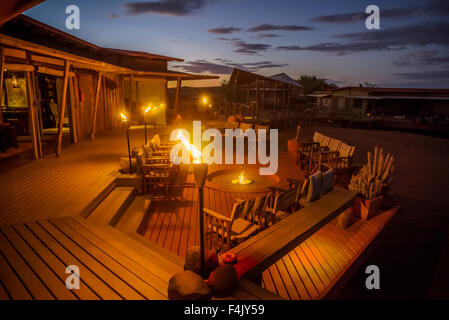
(326, 39)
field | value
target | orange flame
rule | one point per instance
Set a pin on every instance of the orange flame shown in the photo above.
(196, 154)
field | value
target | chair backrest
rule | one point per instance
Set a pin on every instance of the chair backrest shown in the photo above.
(316, 136)
(334, 144)
(253, 210)
(346, 150)
(147, 151)
(245, 126)
(324, 141)
(328, 160)
(157, 140)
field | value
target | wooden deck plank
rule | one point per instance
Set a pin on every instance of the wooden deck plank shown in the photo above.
(53, 263)
(148, 282)
(12, 283)
(96, 266)
(27, 276)
(136, 288)
(88, 278)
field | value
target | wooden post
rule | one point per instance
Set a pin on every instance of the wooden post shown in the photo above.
(95, 110)
(37, 110)
(73, 107)
(31, 115)
(2, 67)
(178, 89)
(62, 109)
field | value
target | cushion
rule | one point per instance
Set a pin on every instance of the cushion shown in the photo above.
(328, 181)
(314, 187)
(281, 214)
(240, 225)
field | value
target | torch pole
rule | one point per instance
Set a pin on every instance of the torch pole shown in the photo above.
(129, 149)
(145, 128)
(201, 212)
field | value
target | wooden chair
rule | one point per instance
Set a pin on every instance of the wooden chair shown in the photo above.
(282, 202)
(327, 160)
(246, 218)
(344, 166)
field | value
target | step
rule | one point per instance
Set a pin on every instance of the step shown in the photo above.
(132, 218)
(112, 207)
(150, 256)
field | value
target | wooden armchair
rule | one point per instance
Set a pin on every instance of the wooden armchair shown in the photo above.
(282, 202)
(157, 175)
(247, 217)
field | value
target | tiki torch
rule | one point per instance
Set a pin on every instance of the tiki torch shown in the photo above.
(125, 119)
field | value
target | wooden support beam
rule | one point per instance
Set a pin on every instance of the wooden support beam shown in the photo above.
(62, 108)
(32, 115)
(73, 118)
(178, 90)
(2, 67)
(95, 110)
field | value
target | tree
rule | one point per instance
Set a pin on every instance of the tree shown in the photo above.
(367, 84)
(312, 83)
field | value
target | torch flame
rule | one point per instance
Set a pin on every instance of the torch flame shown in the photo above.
(123, 117)
(242, 177)
(147, 109)
(196, 154)
(204, 100)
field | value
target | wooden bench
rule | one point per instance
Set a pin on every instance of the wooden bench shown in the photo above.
(264, 249)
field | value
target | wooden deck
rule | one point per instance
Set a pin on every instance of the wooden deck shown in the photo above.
(38, 239)
(307, 272)
(55, 187)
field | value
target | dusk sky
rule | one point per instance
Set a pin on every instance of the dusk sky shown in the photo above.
(323, 38)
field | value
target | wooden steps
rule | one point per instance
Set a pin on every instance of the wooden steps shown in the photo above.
(112, 207)
(133, 216)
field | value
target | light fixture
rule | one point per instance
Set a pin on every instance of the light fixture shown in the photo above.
(15, 83)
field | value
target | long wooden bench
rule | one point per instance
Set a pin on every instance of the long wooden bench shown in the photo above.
(261, 251)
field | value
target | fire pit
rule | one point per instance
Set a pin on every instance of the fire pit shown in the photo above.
(238, 180)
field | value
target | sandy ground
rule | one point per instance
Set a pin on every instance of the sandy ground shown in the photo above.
(412, 252)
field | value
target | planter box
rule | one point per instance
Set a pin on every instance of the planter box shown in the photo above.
(369, 208)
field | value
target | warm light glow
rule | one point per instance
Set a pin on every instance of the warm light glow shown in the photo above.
(147, 109)
(204, 100)
(123, 117)
(196, 154)
(242, 180)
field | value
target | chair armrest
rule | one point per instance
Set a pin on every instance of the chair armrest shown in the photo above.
(216, 215)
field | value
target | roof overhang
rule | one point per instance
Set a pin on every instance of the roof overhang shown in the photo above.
(397, 97)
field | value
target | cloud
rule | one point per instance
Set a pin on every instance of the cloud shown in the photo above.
(342, 48)
(398, 38)
(270, 27)
(224, 30)
(426, 75)
(419, 34)
(267, 35)
(397, 13)
(166, 7)
(226, 66)
(435, 7)
(250, 48)
(228, 39)
(422, 58)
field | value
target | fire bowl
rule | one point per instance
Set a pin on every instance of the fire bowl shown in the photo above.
(227, 180)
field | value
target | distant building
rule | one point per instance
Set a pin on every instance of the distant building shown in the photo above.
(362, 102)
(54, 84)
(274, 92)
